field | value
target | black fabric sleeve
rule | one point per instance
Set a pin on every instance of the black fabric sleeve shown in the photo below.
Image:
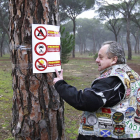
(112, 88)
(82, 100)
(89, 99)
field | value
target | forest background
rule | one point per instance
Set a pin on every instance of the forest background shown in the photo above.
(119, 20)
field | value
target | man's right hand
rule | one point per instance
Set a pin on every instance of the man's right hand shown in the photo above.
(59, 76)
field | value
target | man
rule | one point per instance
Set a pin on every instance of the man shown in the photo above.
(110, 104)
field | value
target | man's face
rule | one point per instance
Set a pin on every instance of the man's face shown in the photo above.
(102, 60)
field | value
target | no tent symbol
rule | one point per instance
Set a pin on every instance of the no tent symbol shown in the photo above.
(40, 33)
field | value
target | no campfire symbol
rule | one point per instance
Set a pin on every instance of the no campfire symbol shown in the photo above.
(41, 64)
(40, 33)
(40, 48)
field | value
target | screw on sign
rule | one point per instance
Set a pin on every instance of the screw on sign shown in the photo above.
(40, 48)
(41, 64)
(40, 33)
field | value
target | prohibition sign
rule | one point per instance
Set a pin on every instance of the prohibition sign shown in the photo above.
(40, 47)
(40, 33)
(41, 64)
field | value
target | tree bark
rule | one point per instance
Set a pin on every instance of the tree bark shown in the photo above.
(74, 26)
(138, 46)
(1, 44)
(37, 112)
(128, 40)
(94, 45)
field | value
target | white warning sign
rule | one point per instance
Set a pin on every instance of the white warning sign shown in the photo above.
(45, 48)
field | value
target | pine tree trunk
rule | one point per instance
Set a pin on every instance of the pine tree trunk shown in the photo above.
(74, 26)
(37, 112)
(128, 40)
(1, 44)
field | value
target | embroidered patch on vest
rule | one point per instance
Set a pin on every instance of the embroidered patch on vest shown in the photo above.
(88, 127)
(138, 110)
(138, 95)
(91, 120)
(132, 101)
(119, 130)
(104, 115)
(105, 123)
(135, 75)
(131, 76)
(83, 119)
(128, 92)
(119, 70)
(105, 133)
(129, 112)
(106, 110)
(127, 82)
(118, 117)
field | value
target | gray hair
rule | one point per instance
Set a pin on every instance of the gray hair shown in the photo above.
(115, 49)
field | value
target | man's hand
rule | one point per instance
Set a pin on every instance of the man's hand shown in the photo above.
(59, 76)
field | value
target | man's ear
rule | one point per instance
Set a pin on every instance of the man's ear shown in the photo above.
(114, 60)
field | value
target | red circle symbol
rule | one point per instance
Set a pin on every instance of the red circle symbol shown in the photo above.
(41, 64)
(40, 33)
(40, 48)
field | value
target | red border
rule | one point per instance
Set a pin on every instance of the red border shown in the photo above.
(37, 61)
(38, 31)
(35, 49)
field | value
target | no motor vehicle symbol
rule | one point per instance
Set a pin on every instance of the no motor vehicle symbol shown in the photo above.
(40, 48)
(40, 33)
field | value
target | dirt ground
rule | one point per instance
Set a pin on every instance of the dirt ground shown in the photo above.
(135, 67)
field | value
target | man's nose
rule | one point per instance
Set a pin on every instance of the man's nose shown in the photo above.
(97, 60)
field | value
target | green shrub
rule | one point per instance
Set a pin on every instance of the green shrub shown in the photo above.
(95, 56)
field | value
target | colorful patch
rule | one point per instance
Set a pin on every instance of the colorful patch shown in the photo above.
(121, 75)
(91, 120)
(119, 130)
(129, 112)
(135, 86)
(104, 115)
(127, 82)
(137, 120)
(119, 70)
(106, 73)
(138, 110)
(87, 127)
(135, 75)
(132, 101)
(118, 117)
(105, 133)
(128, 92)
(138, 95)
(131, 76)
(83, 119)
(105, 123)
(106, 110)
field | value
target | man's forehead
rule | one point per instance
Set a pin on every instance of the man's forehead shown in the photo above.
(103, 49)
